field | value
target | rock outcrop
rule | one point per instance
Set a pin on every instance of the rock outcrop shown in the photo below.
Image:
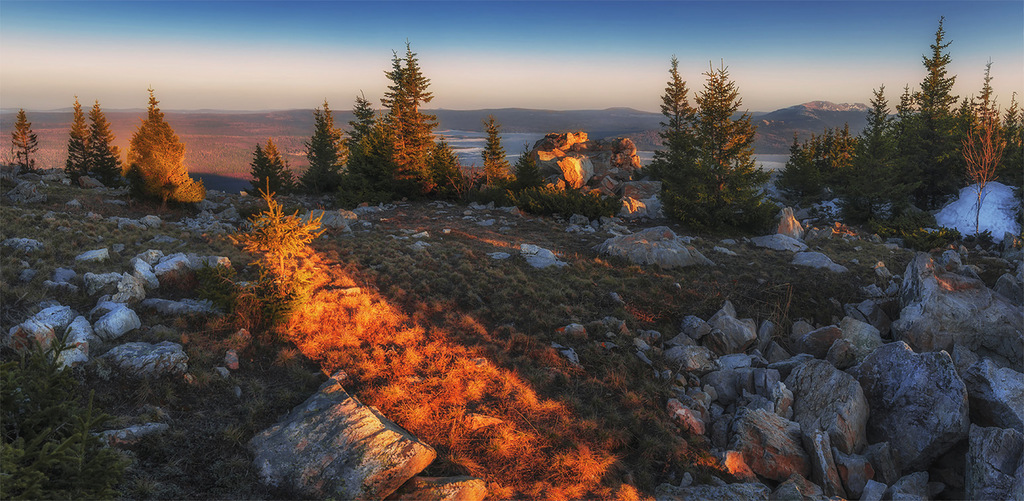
(571, 160)
(658, 245)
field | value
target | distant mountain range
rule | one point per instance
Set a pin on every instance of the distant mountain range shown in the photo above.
(221, 142)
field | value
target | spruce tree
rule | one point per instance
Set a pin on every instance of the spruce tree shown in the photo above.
(674, 163)
(527, 173)
(77, 164)
(1010, 171)
(938, 160)
(370, 172)
(24, 142)
(411, 129)
(446, 172)
(365, 117)
(104, 157)
(496, 166)
(326, 153)
(726, 185)
(268, 169)
(156, 160)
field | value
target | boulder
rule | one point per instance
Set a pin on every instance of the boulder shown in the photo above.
(730, 385)
(633, 208)
(685, 417)
(130, 289)
(817, 260)
(151, 221)
(779, 243)
(539, 257)
(173, 308)
(146, 359)
(77, 337)
(918, 403)
(333, 219)
(658, 245)
(1010, 287)
(818, 341)
(731, 492)
(873, 491)
(116, 322)
(913, 487)
(40, 329)
(831, 400)
(132, 434)
(797, 488)
(332, 445)
(788, 225)
(144, 272)
(942, 307)
(94, 256)
(89, 182)
(96, 282)
(996, 395)
(993, 459)
(26, 192)
(882, 462)
(688, 358)
(728, 333)
(172, 264)
(576, 170)
(770, 444)
(854, 471)
(863, 337)
(822, 465)
(441, 489)
(641, 190)
(151, 256)
(25, 245)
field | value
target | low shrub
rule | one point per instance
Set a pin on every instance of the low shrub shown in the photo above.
(217, 284)
(913, 228)
(48, 448)
(548, 201)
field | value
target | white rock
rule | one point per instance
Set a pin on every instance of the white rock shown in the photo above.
(174, 263)
(94, 255)
(95, 282)
(817, 260)
(539, 257)
(116, 322)
(23, 244)
(151, 256)
(779, 243)
(77, 337)
(145, 359)
(151, 221)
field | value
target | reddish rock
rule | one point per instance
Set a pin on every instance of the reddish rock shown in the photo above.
(770, 444)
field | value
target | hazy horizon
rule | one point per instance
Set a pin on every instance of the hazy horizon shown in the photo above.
(263, 56)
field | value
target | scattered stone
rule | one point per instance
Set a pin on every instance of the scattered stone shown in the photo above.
(73, 203)
(25, 245)
(116, 322)
(479, 421)
(913, 487)
(539, 257)
(918, 403)
(132, 434)
(996, 395)
(172, 264)
(94, 256)
(854, 471)
(779, 243)
(442, 489)
(178, 308)
(26, 192)
(151, 221)
(797, 488)
(146, 359)
(818, 341)
(728, 333)
(873, 491)
(831, 400)
(993, 457)
(130, 289)
(882, 462)
(77, 337)
(96, 282)
(143, 271)
(88, 182)
(685, 417)
(332, 445)
(658, 245)
(817, 260)
(231, 360)
(697, 359)
(27, 275)
(40, 329)
(499, 255)
(822, 465)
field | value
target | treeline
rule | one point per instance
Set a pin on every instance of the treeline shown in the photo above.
(917, 157)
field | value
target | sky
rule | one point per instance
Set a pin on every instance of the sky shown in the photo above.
(264, 55)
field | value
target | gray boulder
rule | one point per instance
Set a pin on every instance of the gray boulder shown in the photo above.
(130, 289)
(26, 192)
(1010, 287)
(96, 282)
(539, 257)
(172, 264)
(146, 359)
(658, 245)
(117, 321)
(818, 341)
(40, 329)
(863, 337)
(332, 445)
(728, 333)
(94, 256)
(993, 460)
(77, 337)
(770, 444)
(996, 395)
(797, 488)
(823, 466)
(688, 358)
(779, 243)
(913, 487)
(817, 260)
(170, 307)
(942, 307)
(832, 400)
(918, 403)
(25, 245)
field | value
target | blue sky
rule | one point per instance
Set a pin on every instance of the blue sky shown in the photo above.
(557, 55)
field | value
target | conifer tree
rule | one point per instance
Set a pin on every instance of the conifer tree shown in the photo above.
(527, 172)
(725, 184)
(674, 163)
(156, 160)
(269, 169)
(937, 161)
(496, 166)
(370, 172)
(77, 163)
(412, 130)
(24, 142)
(326, 152)
(365, 117)
(446, 172)
(104, 157)
(874, 188)
(1010, 171)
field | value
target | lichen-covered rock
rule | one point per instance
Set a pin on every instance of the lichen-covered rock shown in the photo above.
(26, 192)
(770, 444)
(834, 400)
(142, 270)
(942, 307)
(172, 264)
(332, 445)
(441, 489)
(96, 282)
(94, 256)
(40, 329)
(130, 289)
(993, 458)
(118, 320)
(728, 333)
(25, 245)
(688, 358)
(658, 245)
(996, 395)
(732, 492)
(918, 403)
(77, 337)
(146, 359)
